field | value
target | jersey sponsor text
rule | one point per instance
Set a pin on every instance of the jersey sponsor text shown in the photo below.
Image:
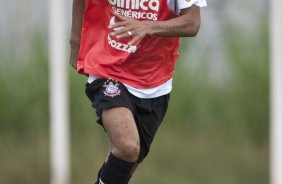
(121, 46)
(137, 4)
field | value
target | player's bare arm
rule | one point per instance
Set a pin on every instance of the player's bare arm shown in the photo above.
(77, 19)
(186, 25)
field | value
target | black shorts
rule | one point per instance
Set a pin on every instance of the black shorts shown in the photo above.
(148, 113)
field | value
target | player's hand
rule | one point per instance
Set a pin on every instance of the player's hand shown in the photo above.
(130, 27)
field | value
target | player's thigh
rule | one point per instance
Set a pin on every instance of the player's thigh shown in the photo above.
(120, 125)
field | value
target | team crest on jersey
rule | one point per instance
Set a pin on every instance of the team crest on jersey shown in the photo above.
(111, 88)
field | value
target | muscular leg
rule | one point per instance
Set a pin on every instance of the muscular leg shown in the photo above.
(124, 145)
(122, 132)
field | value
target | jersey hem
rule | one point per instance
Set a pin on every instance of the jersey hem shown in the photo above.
(128, 82)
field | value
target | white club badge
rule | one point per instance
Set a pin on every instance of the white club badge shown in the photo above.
(111, 88)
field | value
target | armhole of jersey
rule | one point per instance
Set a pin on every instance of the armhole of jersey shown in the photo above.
(173, 6)
(183, 4)
(176, 7)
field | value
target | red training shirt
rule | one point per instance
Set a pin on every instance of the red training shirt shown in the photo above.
(147, 64)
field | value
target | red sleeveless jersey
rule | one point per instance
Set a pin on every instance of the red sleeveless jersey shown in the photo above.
(148, 63)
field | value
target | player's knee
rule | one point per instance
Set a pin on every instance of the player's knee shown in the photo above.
(127, 150)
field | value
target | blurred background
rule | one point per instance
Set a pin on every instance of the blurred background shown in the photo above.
(216, 128)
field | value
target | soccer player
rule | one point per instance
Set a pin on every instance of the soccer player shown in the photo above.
(128, 50)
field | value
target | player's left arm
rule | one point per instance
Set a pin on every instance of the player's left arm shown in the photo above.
(185, 25)
(77, 20)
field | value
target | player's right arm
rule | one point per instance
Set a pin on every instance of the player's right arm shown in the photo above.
(77, 20)
(186, 24)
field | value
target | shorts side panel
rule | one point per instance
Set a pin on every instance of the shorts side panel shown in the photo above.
(149, 116)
